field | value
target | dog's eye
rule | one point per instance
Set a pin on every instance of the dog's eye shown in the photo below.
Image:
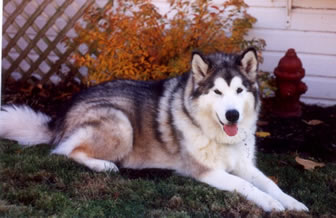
(239, 90)
(218, 92)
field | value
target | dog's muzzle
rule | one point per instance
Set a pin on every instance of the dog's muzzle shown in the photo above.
(230, 129)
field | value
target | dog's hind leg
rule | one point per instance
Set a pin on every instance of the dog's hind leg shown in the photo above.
(84, 156)
(98, 146)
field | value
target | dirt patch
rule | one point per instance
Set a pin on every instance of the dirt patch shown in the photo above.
(312, 134)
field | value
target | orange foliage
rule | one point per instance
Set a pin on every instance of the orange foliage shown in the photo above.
(131, 39)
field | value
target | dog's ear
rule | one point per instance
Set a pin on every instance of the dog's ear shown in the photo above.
(248, 62)
(199, 66)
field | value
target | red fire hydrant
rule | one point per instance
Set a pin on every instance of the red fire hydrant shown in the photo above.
(289, 86)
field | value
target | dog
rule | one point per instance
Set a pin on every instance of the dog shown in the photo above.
(201, 124)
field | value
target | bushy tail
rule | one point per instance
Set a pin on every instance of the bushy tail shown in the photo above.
(23, 124)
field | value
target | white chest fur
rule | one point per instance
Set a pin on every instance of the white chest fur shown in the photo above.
(222, 156)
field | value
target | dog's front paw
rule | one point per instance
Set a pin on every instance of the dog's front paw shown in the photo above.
(291, 203)
(298, 206)
(273, 205)
(267, 203)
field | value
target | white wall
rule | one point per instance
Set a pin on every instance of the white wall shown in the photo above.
(311, 31)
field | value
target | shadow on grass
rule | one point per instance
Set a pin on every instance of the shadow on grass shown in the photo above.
(34, 183)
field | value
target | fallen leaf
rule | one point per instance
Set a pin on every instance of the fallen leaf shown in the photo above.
(263, 134)
(262, 123)
(40, 86)
(308, 164)
(313, 122)
(274, 179)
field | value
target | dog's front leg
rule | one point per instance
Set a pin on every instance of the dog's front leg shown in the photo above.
(257, 178)
(225, 181)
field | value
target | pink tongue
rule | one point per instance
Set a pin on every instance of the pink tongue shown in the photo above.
(230, 130)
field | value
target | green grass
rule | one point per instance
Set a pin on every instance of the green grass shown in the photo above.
(34, 183)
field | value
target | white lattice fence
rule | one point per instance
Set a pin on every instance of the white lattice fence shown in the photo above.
(33, 33)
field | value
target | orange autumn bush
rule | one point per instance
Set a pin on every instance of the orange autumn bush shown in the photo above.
(131, 39)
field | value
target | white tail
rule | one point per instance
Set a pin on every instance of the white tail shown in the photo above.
(23, 124)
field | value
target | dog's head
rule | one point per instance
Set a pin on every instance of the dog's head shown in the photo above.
(225, 94)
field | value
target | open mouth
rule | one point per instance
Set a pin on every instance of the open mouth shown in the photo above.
(230, 129)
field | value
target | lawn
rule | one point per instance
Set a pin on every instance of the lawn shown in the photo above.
(34, 183)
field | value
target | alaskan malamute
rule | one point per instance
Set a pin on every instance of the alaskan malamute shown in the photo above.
(201, 124)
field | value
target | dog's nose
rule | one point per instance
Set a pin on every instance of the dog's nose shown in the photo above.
(232, 115)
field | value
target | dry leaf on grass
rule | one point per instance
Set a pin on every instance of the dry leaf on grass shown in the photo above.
(263, 134)
(308, 164)
(274, 179)
(262, 123)
(313, 122)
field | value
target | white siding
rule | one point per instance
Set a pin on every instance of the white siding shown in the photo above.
(311, 31)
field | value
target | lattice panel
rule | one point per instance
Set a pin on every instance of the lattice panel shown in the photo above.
(32, 37)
